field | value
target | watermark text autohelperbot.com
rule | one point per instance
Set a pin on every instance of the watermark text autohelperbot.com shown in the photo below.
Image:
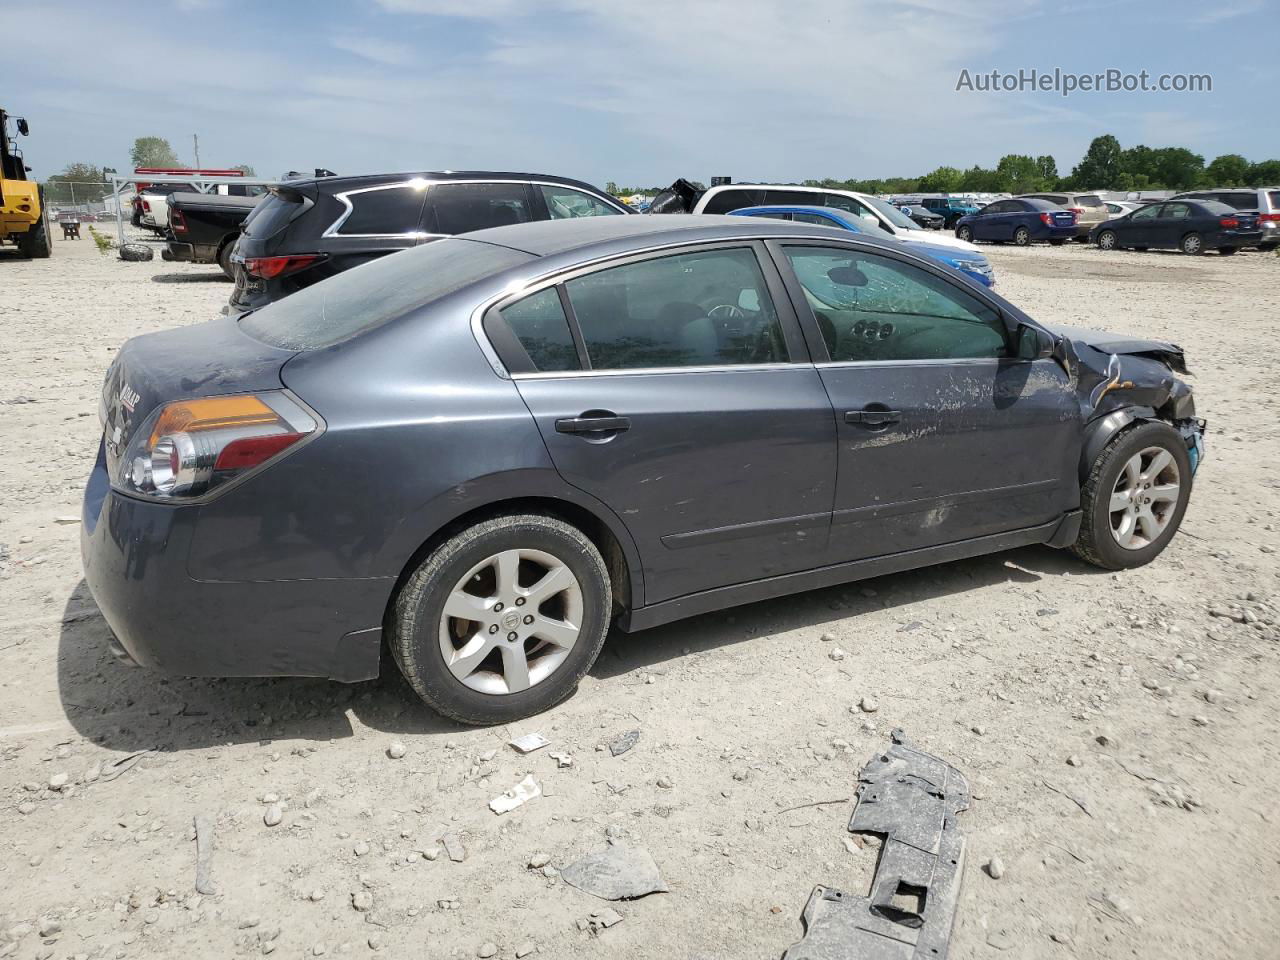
(1066, 83)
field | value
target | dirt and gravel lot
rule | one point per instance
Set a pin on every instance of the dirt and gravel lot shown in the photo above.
(1148, 696)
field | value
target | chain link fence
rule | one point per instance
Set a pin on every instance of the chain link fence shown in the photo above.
(85, 198)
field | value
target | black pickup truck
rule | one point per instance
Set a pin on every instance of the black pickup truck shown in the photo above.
(203, 227)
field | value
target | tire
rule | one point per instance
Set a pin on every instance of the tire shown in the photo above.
(1192, 245)
(35, 242)
(421, 628)
(1022, 237)
(965, 233)
(1107, 240)
(1099, 543)
(224, 259)
(1226, 251)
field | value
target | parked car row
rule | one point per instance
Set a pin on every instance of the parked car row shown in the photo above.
(1192, 226)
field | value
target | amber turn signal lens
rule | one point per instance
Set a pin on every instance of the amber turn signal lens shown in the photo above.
(212, 413)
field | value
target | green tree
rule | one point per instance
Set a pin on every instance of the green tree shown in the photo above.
(611, 188)
(1020, 173)
(78, 183)
(153, 152)
(1228, 170)
(981, 180)
(244, 168)
(1264, 174)
(1178, 168)
(942, 180)
(1048, 168)
(1100, 168)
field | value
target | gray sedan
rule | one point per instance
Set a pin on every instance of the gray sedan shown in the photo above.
(483, 451)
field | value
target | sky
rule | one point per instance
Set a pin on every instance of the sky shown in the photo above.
(638, 92)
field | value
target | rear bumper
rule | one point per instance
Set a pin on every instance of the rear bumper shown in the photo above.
(135, 563)
(1059, 233)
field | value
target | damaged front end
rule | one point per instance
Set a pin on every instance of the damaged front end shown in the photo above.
(1121, 380)
(910, 799)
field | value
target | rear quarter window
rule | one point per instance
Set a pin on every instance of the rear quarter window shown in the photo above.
(357, 301)
(385, 210)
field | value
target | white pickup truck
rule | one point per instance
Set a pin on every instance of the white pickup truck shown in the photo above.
(154, 201)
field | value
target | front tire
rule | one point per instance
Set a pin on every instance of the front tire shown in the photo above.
(1134, 498)
(1192, 244)
(965, 233)
(502, 620)
(1022, 237)
(35, 242)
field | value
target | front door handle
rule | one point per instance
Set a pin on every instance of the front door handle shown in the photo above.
(875, 418)
(593, 424)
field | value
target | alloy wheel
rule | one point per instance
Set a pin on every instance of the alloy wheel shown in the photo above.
(1107, 241)
(510, 621)
(1145, 498)
(1022, 236)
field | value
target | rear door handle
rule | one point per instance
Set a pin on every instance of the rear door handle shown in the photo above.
(873, 417)
(609, 424)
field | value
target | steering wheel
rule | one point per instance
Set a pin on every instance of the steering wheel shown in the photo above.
(726, 311)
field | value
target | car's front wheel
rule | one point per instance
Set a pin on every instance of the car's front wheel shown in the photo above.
(964, 232)
(1107, 240)
(502, 620)
(1134, 498)
(1022, 236)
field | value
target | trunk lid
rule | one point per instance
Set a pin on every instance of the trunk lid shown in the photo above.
(1065, 218)
(205, 360)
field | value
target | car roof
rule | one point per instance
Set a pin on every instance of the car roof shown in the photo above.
(620, 235)
(356, 181)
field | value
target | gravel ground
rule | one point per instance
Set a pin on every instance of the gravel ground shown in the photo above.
(1148, 697)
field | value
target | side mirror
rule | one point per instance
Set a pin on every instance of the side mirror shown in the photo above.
(22, 126)
(1033, 343)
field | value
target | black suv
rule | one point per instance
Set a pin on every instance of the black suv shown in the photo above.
(307, 230)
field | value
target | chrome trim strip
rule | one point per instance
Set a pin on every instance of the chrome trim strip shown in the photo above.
(333, 229)
(657, 371)
(738, 531)
(928, 362)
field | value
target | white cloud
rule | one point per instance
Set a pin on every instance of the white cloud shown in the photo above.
(385, 52)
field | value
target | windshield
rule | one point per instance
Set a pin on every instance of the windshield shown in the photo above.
(353, 302)
(891, 213)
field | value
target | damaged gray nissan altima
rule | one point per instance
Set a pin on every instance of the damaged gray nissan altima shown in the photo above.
(483, 451)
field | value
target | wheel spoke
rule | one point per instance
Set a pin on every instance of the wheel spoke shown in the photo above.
(1164, 491)
(1158, 462)
(1148, 523)
(466, 606)
(515, 667)
(1120, 500)
(559, 632)
(555, 580)
(507, 567)
(1133, 470)
(466, 660)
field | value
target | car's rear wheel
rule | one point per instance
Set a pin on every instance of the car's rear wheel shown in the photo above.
(1134, 498)
(964, 232)
(1226, 251)
(1022, 236)
(502, 620)
(1192, 244)
(1107, 240)
(224, 259)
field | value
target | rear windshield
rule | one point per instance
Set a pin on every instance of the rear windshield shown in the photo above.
(1241, 201)
(270, 217)
(1088, 200)
(368, 296)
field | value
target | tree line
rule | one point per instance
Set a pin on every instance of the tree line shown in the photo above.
(1105, 166)
(69, 186)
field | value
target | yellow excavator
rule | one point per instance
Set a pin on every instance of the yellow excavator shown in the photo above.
(22, 213)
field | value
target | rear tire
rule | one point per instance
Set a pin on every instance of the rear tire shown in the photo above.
(1102, 528)
(472, 571)
(1022, 237)
(1192, 245)
(224, 259)
(964, 233)
(1107, 240)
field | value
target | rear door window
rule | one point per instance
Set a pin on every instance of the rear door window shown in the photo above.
(564, 203)
(816, 219)
(383, 211)
(707, 308)
(1176, 211)
(463, 206)
(729, 200)
(794, 197)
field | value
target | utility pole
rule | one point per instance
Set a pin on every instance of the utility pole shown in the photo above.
(195, 138)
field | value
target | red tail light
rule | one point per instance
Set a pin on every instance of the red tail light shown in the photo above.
(177, 221)
(1269, 218)
(1047, 219)
(270, 267)
(146, 205)
(250, 451)
(1078, 211)
(1229, 222)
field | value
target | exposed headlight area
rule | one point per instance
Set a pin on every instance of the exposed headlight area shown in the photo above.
(189, 448)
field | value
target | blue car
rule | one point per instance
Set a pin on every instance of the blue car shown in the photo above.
(1021, 221)
(971, 264)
